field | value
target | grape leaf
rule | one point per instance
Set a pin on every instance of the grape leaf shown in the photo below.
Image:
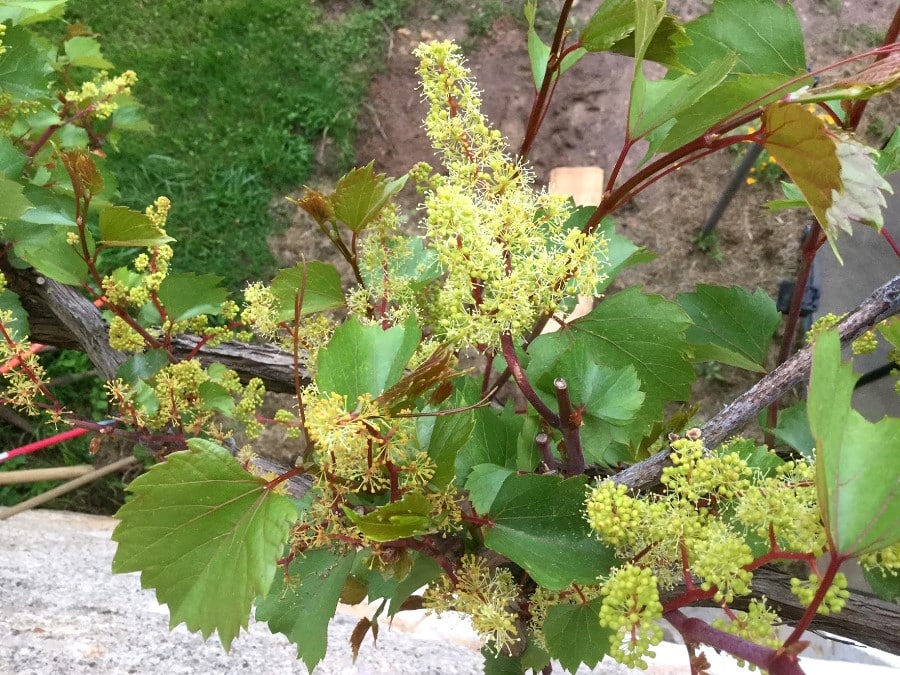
(31, 11)
(608, 398)
(47, 249)
(731, 325)
(484, 483)
(84, 52)
(301, 606)
(837, 176)
(120, 226)
(360, 195)
(446, 434)
(186, 295)
(857, 462)
(885, 584)
(18, 326)
(644, 331)
(860, 197)
(408, 517)
(538, 50)
(766, 35)
(793, 429)
(23, 65)
(12, 202)
(539, 524)
(321, 288)
(724, 100)
(423, 571)
(574, 634)
(366, 359)
(656, 103)
(206, 535)
(612, 28)
(493, 441)
(889, 156)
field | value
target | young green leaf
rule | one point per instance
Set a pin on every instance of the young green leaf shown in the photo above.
(613, 28)
(206, 535)
(574, 635)
(885, 584)
(612, 22)
(608, 398)
(765, 34)
(396, 591)
(47, 249)
(889, 156)
(493, 441)
(120, 226)
(446, 435)
(301, 605)
(731, 325)
(656, 103)
(646, 332)
(361, 194)
(31, 11)
(408, 517)
(17, 328)
(84, 52)
(321, 285)
(857, 462)
(793, 199)
(23, 65)
(366, 359)
(793, 430)
(724, 100)
(838, 177)
(539, 524)
(12, 202)
(186, 295)
(538, 50)
(484, 483)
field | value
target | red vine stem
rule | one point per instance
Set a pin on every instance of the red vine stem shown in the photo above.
(542, 100)
(834, 564)
(777, 662)
(518, 373)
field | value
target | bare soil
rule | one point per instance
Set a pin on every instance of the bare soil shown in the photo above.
(586, 126)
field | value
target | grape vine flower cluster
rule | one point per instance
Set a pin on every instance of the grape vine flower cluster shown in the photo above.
(508, 254)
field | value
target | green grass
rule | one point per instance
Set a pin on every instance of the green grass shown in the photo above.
(240, 94)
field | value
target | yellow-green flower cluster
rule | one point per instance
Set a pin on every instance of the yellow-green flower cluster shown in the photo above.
(485, 595)
(887, 560)
(683, 527)
(261, 307)
(356, 447)
(694, 476)
(124, 338)
(757, 625)
(3, 48)
(835, 597)
(865, 343)
(126, 288)
(101, 91)
(504, 247)
(785, 503)
(631, 608)
(822, 325)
